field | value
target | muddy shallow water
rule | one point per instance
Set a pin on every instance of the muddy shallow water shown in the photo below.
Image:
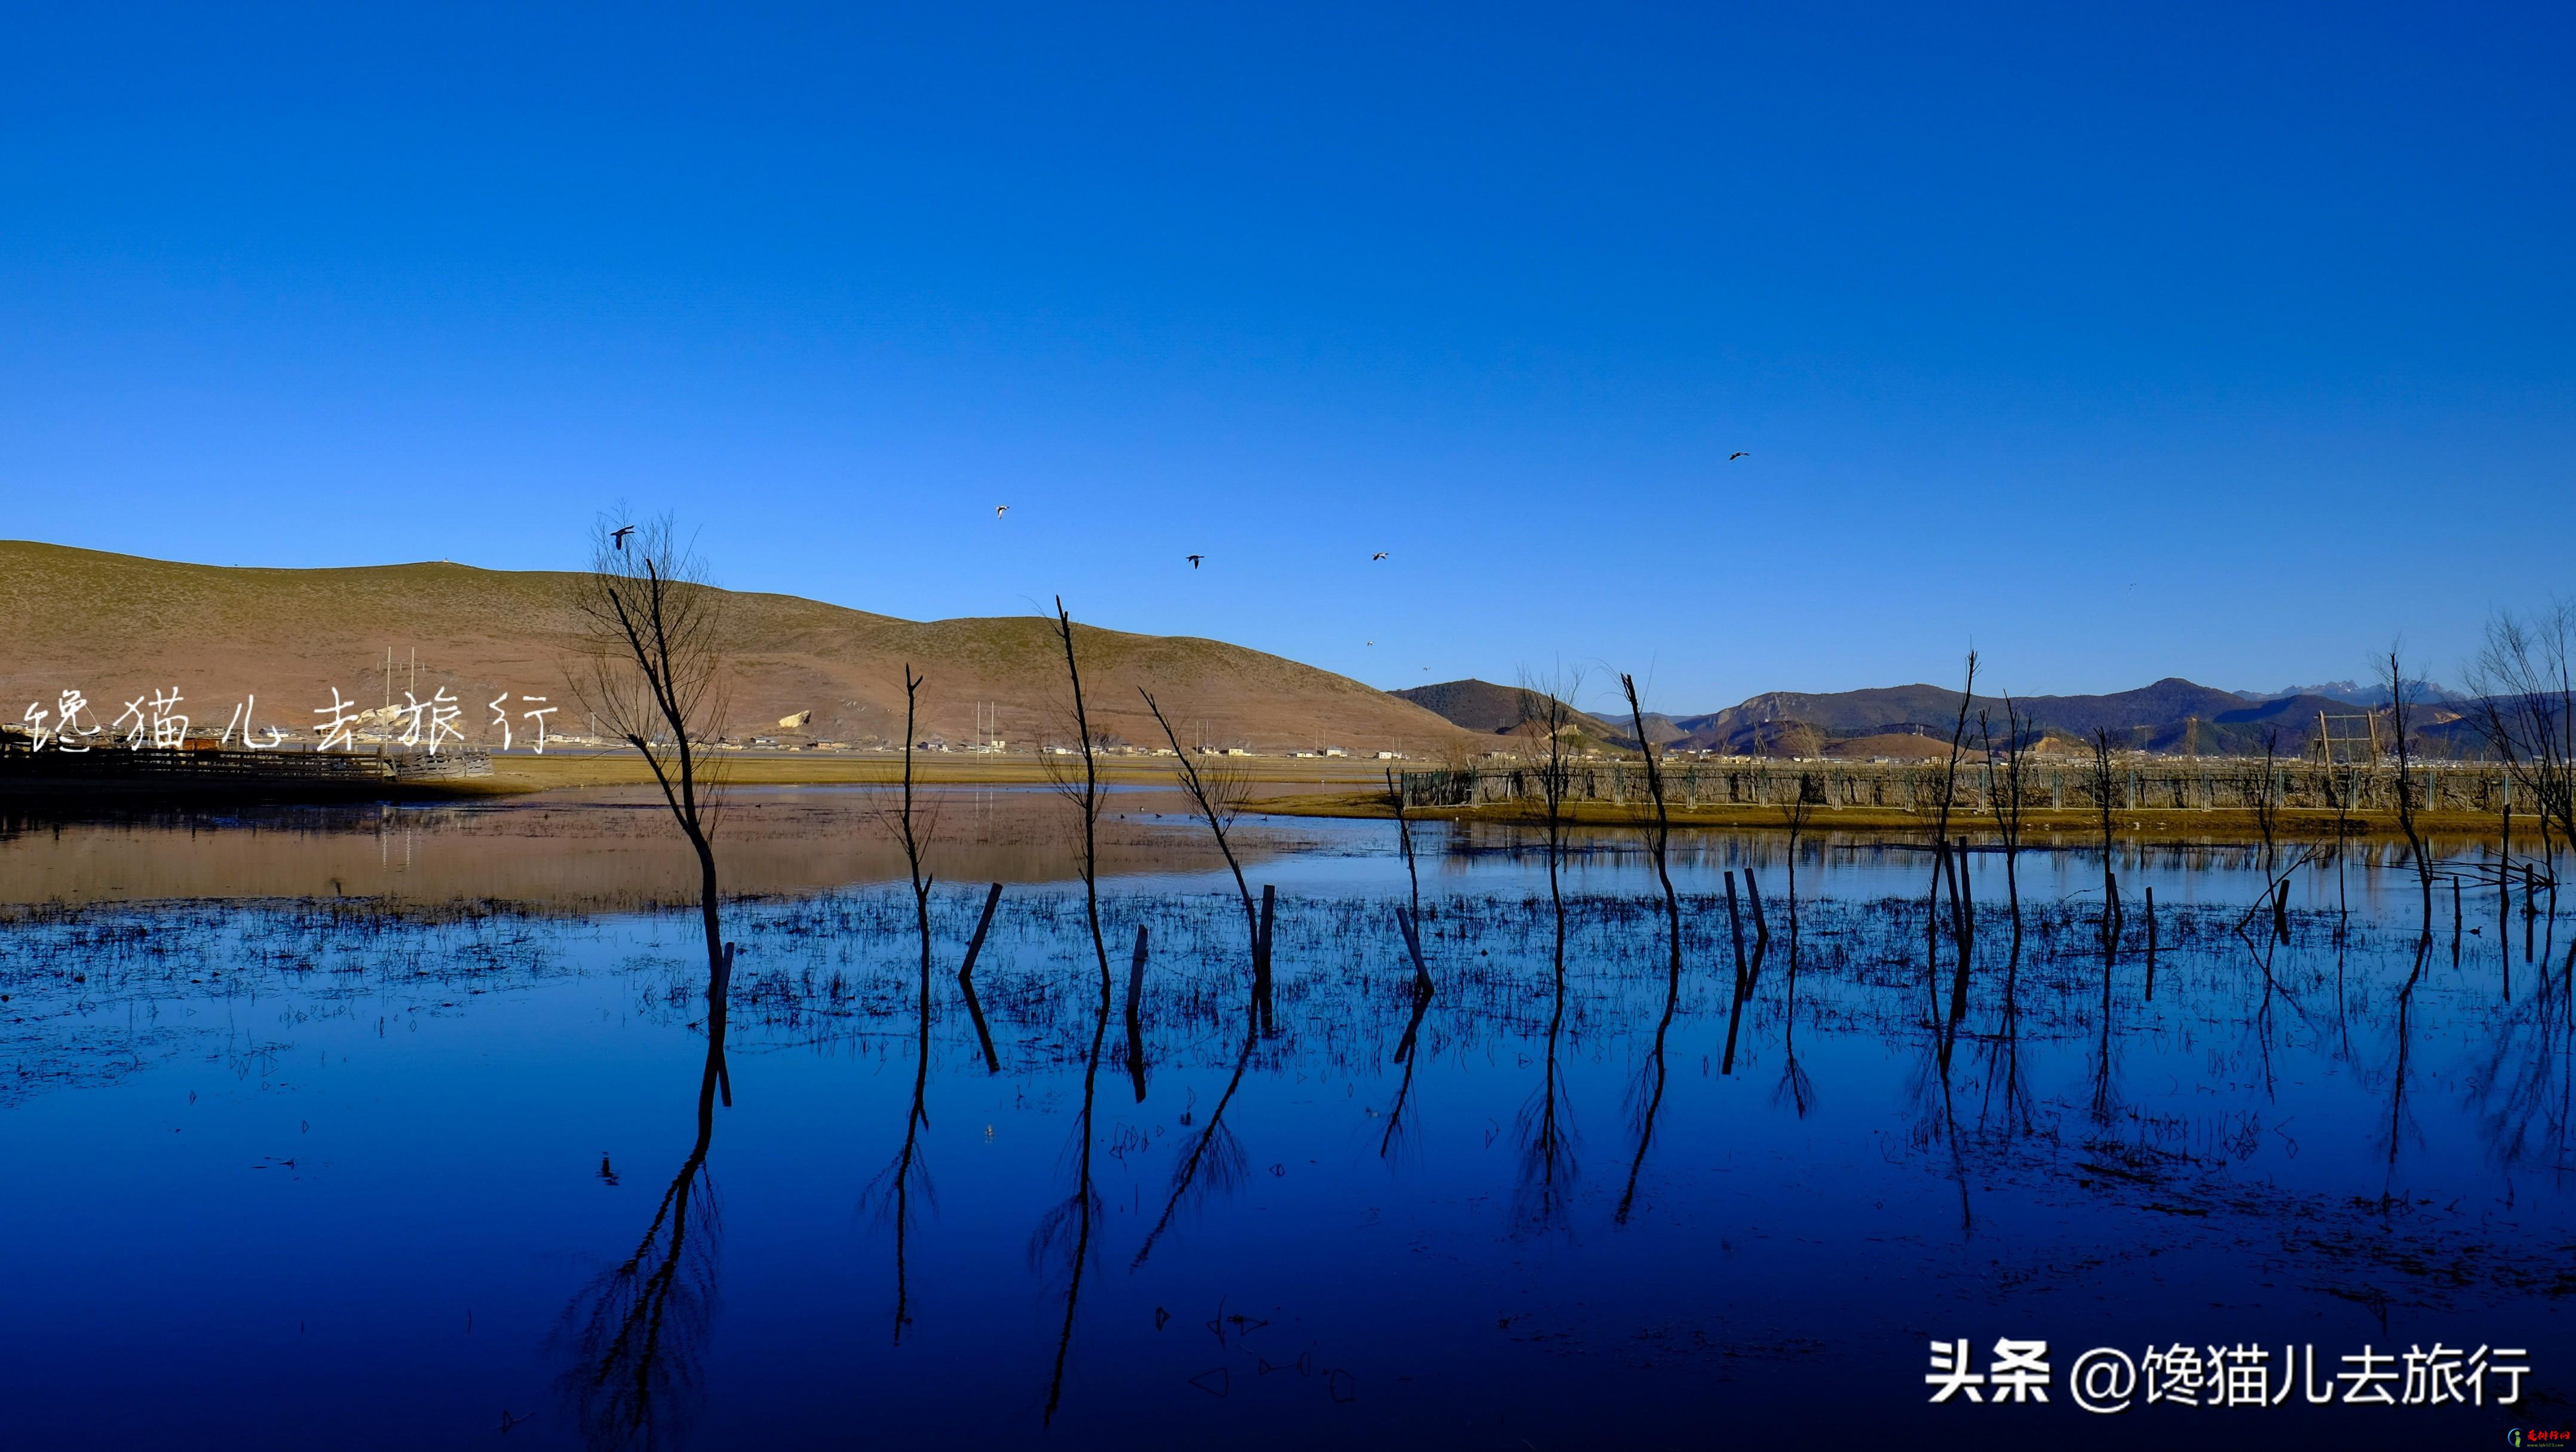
(446, 1150)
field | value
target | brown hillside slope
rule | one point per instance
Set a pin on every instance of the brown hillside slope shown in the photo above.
(116, 627)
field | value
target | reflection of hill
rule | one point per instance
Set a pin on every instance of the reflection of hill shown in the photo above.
(583, 851)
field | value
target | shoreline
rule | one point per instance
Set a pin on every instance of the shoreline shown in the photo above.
(1355, 790)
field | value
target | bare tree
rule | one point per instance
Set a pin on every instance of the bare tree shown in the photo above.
(909, 1173)
(2102, 785)
(1804, 797)
(1799, 740)
(1662, 838)
(2400, 719)
(2264, 789)
(1068, 1228)
(2523, 701)
(2004, 793)
(1547, 728)
(1213, 1158)
(1410, 923)
(912, 831)
(1944, 863)
(1547, 1161)
(1084, 793)
(653, 675)
(1219, 791)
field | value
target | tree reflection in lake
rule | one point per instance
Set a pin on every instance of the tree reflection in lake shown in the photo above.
(2283, 1122)
(636, 1335)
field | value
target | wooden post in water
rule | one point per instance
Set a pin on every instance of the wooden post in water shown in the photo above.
(1761, 920)
(1135, 1015)
(2151, 945)
(2504, 871)
(975, 944)
(1735, 1014)
(966, 982)
(719, 1005)
(1261, 960)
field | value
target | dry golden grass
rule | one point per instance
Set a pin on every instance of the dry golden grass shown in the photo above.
(2050, 824)
(117, 626)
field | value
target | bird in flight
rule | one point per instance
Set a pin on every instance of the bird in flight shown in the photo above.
(1194, 561)
(1000, 509)
(1381, 554)
(619, 535)
(1738, 454)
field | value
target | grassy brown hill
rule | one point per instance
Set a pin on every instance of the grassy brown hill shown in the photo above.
(116, 627)
(1489, 709)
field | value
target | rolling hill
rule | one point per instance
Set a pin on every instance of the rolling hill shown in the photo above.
(117, 627)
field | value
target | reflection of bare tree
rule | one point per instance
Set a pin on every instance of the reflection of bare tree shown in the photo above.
(2523, 1100)
(1214, 1163)
(1406, 1053)
(1547, 1169)
(1650, 1089)
(1795, 1087)
(2105, 1103)
(2001, 1072)
(636, 1335)
(1748, 972)
(2397, 1117)
(908, 1173)
(1065, 1231)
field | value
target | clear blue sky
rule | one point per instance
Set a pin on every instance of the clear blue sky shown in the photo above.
(2225, 343)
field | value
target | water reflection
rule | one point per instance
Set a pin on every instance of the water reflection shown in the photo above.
(2294, 1125)
(636, 1336)
(1062, 1247)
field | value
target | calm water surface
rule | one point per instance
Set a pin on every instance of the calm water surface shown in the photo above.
(409, 1129)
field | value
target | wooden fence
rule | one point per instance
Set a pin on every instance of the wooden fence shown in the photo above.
(2135, 785)
(115, 770)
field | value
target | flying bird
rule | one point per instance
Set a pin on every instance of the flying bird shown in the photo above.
(619, 535)
(1000, 509)
(1381, 554)
(1194, 561)
(1738, 454)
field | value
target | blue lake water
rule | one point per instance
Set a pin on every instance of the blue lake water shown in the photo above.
(437, 1171)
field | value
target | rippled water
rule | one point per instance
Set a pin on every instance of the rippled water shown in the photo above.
(434, 1162)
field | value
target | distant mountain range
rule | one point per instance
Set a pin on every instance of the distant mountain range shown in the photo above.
(2373, 694)
(2172, 715)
